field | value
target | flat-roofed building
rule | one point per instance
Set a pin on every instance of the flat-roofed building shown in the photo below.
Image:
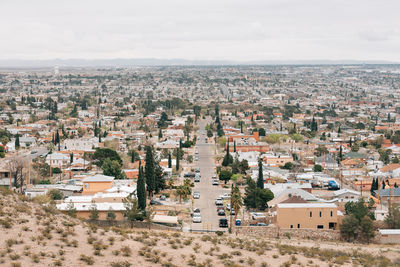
(306, 216)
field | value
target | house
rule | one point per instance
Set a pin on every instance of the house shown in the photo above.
(388, 195)
(96, 183)
(346, 195)
(306, 216)
(57, 160)
(276, 159)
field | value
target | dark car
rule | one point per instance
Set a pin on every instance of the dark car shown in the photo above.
(155, 202)
(223, 223)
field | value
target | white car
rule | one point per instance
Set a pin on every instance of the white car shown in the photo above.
(196, 195)
(196, 218)
(225, 196)
(219, 202)
(257, 215)
(215, 182)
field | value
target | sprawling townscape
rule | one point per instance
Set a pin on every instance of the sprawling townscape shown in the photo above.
(290, 152)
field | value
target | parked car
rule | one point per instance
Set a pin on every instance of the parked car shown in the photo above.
(226, 196)
(196, 218)
(197, 169)
(257, 215)
(221, 212)
(196, 195)
(215, 182)
(223, 223)
(219, 202)
(196, 211)
(163, 197)
(155, 202)
(197, 179)
(332, 185)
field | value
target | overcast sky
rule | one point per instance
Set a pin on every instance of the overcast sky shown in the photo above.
(201, 29)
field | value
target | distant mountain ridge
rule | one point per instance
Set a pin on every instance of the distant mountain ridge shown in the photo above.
(126, 62)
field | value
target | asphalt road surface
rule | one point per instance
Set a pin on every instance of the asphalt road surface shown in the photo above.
(208, 192)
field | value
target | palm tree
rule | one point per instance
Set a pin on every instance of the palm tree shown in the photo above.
(236, 201)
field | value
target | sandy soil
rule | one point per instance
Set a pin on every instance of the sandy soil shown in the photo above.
(34, 236)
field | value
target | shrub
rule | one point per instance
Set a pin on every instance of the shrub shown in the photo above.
(87, 259)
(126, 251)
(121, 264)
(219, 233)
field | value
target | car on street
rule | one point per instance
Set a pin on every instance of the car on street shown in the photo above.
(223, 223)
(196, 195)
(196, 211)
(215, 182)
(219, 202)
(196, 218)
(225, 196)
(221, 212)
(198, 169)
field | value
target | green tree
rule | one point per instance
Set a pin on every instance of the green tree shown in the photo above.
(349, 228)
(94, 213)
(260, 179)
(56, 194)
(225, 175)
(288, 166)
(141, 189)
(177, 160)
(318, 168)
(256, 198)
(111, 215)
(17, 144)
(169, 160)
(113, 168)
(359, 209)
(103, 153)
(236, 200)
(132, 211)
(392, 220)
(367, 229)
(149, 171)
(228, 159)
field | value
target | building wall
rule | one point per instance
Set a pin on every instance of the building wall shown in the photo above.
(299, 218)
(102, 215)
(277, 161)
(390, 239)
(94, 187)
(249, 148)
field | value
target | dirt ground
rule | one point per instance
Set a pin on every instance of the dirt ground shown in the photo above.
(35, 236)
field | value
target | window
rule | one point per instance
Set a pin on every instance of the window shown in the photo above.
(298, 225)
(320, 214)
(86, 185)
(310, 214)
(320, 226)
(331, 213)
(291, 226)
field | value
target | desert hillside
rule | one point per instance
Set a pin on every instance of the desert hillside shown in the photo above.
(36, 235)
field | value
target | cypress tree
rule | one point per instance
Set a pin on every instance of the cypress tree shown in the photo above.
(373, 187)
(149, 170)
(17, 144)
(180, 143)
(99, 136)
(169, 160)
(141, 188)
(177, 159)
(160, 134)
(383, 184)
(234, 146)
(71, 157)
(260, 180)
(241, 127)
(133, 156)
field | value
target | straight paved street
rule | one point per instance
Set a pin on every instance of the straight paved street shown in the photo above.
(208, 192)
